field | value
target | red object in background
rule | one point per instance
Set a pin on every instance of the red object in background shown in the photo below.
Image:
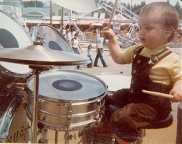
(105, 23)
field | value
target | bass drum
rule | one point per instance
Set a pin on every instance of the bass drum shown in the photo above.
(54, 40)
(12, 35)
(14, 126)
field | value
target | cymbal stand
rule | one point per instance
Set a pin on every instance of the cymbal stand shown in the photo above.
(56, 137)
(36, 72)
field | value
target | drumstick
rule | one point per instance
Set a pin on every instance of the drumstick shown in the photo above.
(112, 14)
(158, 94)
(16, 84)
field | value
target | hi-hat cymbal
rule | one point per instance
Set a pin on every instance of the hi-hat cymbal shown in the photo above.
(40, 56)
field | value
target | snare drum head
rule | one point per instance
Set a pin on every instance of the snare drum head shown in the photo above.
(54, 40)
(13, 35)
(68, 85)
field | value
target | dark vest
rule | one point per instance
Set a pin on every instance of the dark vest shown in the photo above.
(140, 80)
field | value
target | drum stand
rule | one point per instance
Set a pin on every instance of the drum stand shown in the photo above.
(36, 72)
(68, 137)
(35, 108)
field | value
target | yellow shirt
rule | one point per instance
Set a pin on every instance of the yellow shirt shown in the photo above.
(167, 71)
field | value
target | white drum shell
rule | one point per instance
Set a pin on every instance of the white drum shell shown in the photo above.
(13, 35)
(54, 40)
(16, 31)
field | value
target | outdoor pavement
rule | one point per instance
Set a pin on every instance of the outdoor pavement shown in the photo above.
(118, 76)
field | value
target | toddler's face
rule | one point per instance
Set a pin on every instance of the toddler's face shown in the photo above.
(152, 33)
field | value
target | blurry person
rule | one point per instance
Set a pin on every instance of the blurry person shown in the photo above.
(89, 54)
(99, 50)
(76, 46)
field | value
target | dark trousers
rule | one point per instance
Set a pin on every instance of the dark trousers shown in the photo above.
(99, 55)
(75, 50)
(90, 58)
(126, 117)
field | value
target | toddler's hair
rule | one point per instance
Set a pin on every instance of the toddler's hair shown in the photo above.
(168, 14)
(76, 34)
(89, 46)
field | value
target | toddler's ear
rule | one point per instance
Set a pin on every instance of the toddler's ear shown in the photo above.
(170, 29)
(169, 33)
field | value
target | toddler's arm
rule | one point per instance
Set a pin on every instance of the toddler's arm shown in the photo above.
(114, 48)
(176, 91)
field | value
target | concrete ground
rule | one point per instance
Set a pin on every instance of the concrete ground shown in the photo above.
(118, 76)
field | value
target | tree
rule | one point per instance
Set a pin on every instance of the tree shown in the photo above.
(32, 4)
(178, 9)
(136, 8)
(168, 1)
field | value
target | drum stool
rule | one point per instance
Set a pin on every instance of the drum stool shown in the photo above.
(156, 125)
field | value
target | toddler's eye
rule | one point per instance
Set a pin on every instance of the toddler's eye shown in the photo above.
(148, 28)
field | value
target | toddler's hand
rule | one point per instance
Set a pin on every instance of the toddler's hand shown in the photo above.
(176, 91)
(108, 33)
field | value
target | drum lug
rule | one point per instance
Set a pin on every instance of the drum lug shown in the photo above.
(113, 139)
(69, 114)
(43, 140)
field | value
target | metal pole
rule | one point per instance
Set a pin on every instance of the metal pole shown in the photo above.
(179, 125)
(35, 108)
(50, 12)
(66, 137)
(56, 137)
(62, 10)
(70, 19)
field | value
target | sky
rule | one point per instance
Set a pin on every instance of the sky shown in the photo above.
(172, 2)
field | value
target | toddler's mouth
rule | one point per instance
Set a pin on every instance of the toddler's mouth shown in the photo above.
(143, 40)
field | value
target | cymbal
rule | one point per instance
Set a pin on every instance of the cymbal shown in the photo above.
(37, 55)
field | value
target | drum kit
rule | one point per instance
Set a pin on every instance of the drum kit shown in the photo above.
(40, 96)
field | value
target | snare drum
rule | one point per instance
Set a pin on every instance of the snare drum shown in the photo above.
(14, 126)
(68, 100)
(12, 35)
